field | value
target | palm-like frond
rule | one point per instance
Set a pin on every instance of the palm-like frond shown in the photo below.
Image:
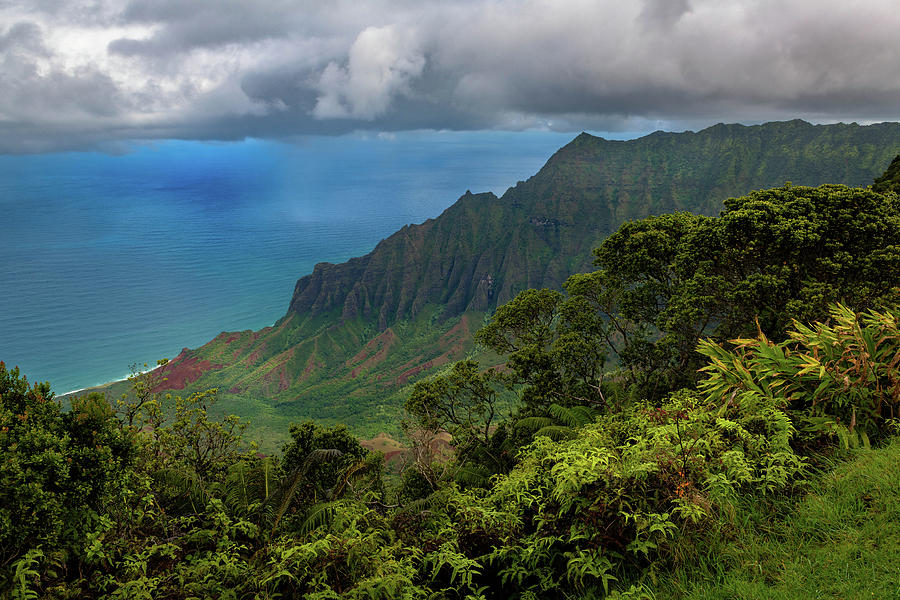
(534, 423)
(556, 432)
(287, 490)
(420, 505)
(249, 484)
(472, 475)
(319, 516)
(183, 485)
(573, 416)
(562, 421)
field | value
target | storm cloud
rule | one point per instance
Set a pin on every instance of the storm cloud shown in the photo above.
(93, 73)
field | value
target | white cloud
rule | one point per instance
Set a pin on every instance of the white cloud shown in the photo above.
(381, 63)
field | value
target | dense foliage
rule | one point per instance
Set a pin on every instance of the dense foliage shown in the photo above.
(59, 470)
(770, 257)
(592, 483)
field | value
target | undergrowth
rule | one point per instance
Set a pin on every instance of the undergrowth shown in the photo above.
(839, 540)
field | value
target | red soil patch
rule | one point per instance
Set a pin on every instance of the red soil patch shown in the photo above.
(438, 361)
(402, 377)
(455, 338)
(279, 372)
(395, 457)
(381, 443)
(411, 363)
(182, 371)
(284, 382)
(395, 454)
(385, 338)
(311, 365)
(252, 358)
(226, 337)
(459, 333)
(383, 344)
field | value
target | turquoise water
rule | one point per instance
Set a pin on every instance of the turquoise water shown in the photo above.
(108, 261)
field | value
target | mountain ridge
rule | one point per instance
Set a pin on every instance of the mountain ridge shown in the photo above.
(423, 279)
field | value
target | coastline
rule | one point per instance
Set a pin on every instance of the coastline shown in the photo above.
(107, 384)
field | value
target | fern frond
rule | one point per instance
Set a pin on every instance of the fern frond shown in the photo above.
(183, 484)
(420, 505)
(318, 516)
(290, 484)
(572, 416)
(469, 475)
(247, 484)
(556, 432)
(534, 423)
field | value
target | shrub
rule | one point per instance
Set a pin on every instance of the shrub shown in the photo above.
(58, 469)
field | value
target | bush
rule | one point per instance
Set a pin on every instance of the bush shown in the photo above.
(58, 468)
(840, 379)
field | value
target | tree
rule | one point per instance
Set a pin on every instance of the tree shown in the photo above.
(890, 180)
(142, 406)
(58, 469)
(770, 257)
(183, 447)
(318, 461)
(553, 347)
(465, 402)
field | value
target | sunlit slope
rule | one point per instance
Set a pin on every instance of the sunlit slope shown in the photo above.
(355, 333)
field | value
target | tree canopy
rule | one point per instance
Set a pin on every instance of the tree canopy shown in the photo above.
(770, 257)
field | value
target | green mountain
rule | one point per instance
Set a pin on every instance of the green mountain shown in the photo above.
(355, 333)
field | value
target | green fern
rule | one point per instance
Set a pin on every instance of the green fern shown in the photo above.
(25, 574)
(319, 516)
(562, 422)
(289, 486)
(248, 485)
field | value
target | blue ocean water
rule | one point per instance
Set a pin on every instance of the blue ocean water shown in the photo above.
(108, 261)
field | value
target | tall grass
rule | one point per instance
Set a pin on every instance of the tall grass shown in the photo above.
(840, 539)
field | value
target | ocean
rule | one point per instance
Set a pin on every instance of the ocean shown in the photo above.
(108, 261)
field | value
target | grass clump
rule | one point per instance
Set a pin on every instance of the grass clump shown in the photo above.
(839, 540)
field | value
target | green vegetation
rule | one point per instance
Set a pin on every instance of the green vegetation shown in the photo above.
(759, 464)
(358, 334)
(770, 257)
(59, 471)
(840, 541)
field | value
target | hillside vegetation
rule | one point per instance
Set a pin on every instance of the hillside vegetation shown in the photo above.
(743, 445)
(357, 333)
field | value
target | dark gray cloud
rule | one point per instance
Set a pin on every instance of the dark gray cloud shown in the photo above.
(23, 38)
(90, 73)
(42, 103)
(185, 26)
(663, 14)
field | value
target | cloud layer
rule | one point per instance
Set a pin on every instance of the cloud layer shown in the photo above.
(79, 74)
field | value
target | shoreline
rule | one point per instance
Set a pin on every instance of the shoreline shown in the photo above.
(106, 384)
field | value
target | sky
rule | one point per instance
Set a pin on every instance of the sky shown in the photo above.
(99, 74)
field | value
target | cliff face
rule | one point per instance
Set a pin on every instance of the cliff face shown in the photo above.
(478, 253)
(356, 331)
(421, 264)
(484, 249)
